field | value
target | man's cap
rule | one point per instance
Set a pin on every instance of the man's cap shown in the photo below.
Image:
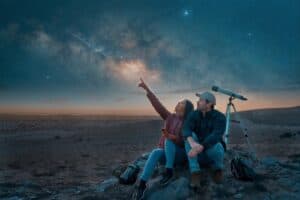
(210, 97)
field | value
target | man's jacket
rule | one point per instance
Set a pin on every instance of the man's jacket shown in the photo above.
(209, 128)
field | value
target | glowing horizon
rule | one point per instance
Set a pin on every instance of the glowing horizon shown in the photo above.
(254, 102)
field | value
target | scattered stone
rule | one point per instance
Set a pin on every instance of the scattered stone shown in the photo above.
(232, 191)
(14, 165)
(57, 137)
(287, 135)
(178, 189)
(238, 196)
(15, 198)
(107, 184)
(269, 161)
(92, 197)
(294, 156)
(119, 170)
(31, 185)
(85, 155)
(42, 172)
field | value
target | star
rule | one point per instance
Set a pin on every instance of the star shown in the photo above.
(186, 12)
(47, 77)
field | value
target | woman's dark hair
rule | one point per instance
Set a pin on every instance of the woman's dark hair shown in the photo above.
(189, 107)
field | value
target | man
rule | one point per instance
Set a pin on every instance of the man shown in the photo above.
(203, 132)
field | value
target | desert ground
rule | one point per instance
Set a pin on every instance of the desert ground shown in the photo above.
(54, 157)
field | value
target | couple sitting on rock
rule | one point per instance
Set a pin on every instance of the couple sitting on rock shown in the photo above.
(188, 135)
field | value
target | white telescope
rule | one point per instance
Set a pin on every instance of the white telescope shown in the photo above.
(230, 105)
(229, 93)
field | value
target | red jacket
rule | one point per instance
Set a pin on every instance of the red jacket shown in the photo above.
(173, 123)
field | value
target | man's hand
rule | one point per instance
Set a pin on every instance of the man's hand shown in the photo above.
(143, 85)
(196, 148)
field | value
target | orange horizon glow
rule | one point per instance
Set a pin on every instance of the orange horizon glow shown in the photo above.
(142, 107)
(86, 110)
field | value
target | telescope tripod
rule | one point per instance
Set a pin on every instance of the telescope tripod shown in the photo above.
(238, 120)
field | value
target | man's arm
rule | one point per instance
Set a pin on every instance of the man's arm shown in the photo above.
(188, 129)
(219, 125)
(189, 126)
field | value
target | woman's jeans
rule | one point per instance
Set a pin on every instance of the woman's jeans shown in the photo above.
(170, 155)
(212, 157)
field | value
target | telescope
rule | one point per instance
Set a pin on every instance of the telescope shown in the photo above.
(230, 105)
(229, 93)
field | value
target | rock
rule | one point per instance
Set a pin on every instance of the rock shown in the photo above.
(31, 185)
(238, 196)
(85, 155)
(232, 190)
(287, 135)
(178, 189)
(14, 165)
(119, 170)
(57, 137)
(141, 160)
(294, 157)
(146, 155)
(283, 195)
(14, 198)
(42, 172)
(107, 184)
(269, 161)
(92, 197)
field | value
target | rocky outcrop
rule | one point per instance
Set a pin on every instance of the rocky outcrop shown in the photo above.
(276, 180)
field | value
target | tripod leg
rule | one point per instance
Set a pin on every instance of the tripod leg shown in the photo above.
(226, 135)
(245, 131)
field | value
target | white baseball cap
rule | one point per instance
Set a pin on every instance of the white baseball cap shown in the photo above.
(210, 97)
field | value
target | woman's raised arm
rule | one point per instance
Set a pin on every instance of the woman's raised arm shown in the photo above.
(158, 106)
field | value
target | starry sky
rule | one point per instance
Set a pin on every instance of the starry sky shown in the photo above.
(86, 57)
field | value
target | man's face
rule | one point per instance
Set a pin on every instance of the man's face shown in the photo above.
(203, 105)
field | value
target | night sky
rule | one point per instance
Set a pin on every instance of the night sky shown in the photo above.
(87, 56)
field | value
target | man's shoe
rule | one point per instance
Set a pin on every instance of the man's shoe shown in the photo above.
(218, 176)
(139, 193)
(167, 177)
(196, 179)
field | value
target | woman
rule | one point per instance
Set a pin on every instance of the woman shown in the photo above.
(171, 146)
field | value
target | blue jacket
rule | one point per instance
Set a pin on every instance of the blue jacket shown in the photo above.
(209, 129)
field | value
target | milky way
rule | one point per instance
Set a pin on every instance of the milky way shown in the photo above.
(76, 53)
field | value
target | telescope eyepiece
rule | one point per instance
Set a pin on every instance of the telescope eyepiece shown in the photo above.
(215, 88)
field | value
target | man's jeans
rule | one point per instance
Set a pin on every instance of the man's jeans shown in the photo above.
(212, 157)
(172, 154)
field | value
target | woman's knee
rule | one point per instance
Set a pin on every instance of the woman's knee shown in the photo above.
(157, 152)
(169, 143)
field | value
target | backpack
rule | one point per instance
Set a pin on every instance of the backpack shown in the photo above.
(242, 170)
(129, 176)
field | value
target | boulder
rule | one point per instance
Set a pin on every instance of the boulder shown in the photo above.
(177, 189)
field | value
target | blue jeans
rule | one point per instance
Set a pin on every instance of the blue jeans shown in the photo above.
(212, 157)
(172, 154)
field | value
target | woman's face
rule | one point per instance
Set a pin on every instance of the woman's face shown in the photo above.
(180, 108)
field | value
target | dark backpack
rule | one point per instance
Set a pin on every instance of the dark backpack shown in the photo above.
(241, 169)
(129, 176)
